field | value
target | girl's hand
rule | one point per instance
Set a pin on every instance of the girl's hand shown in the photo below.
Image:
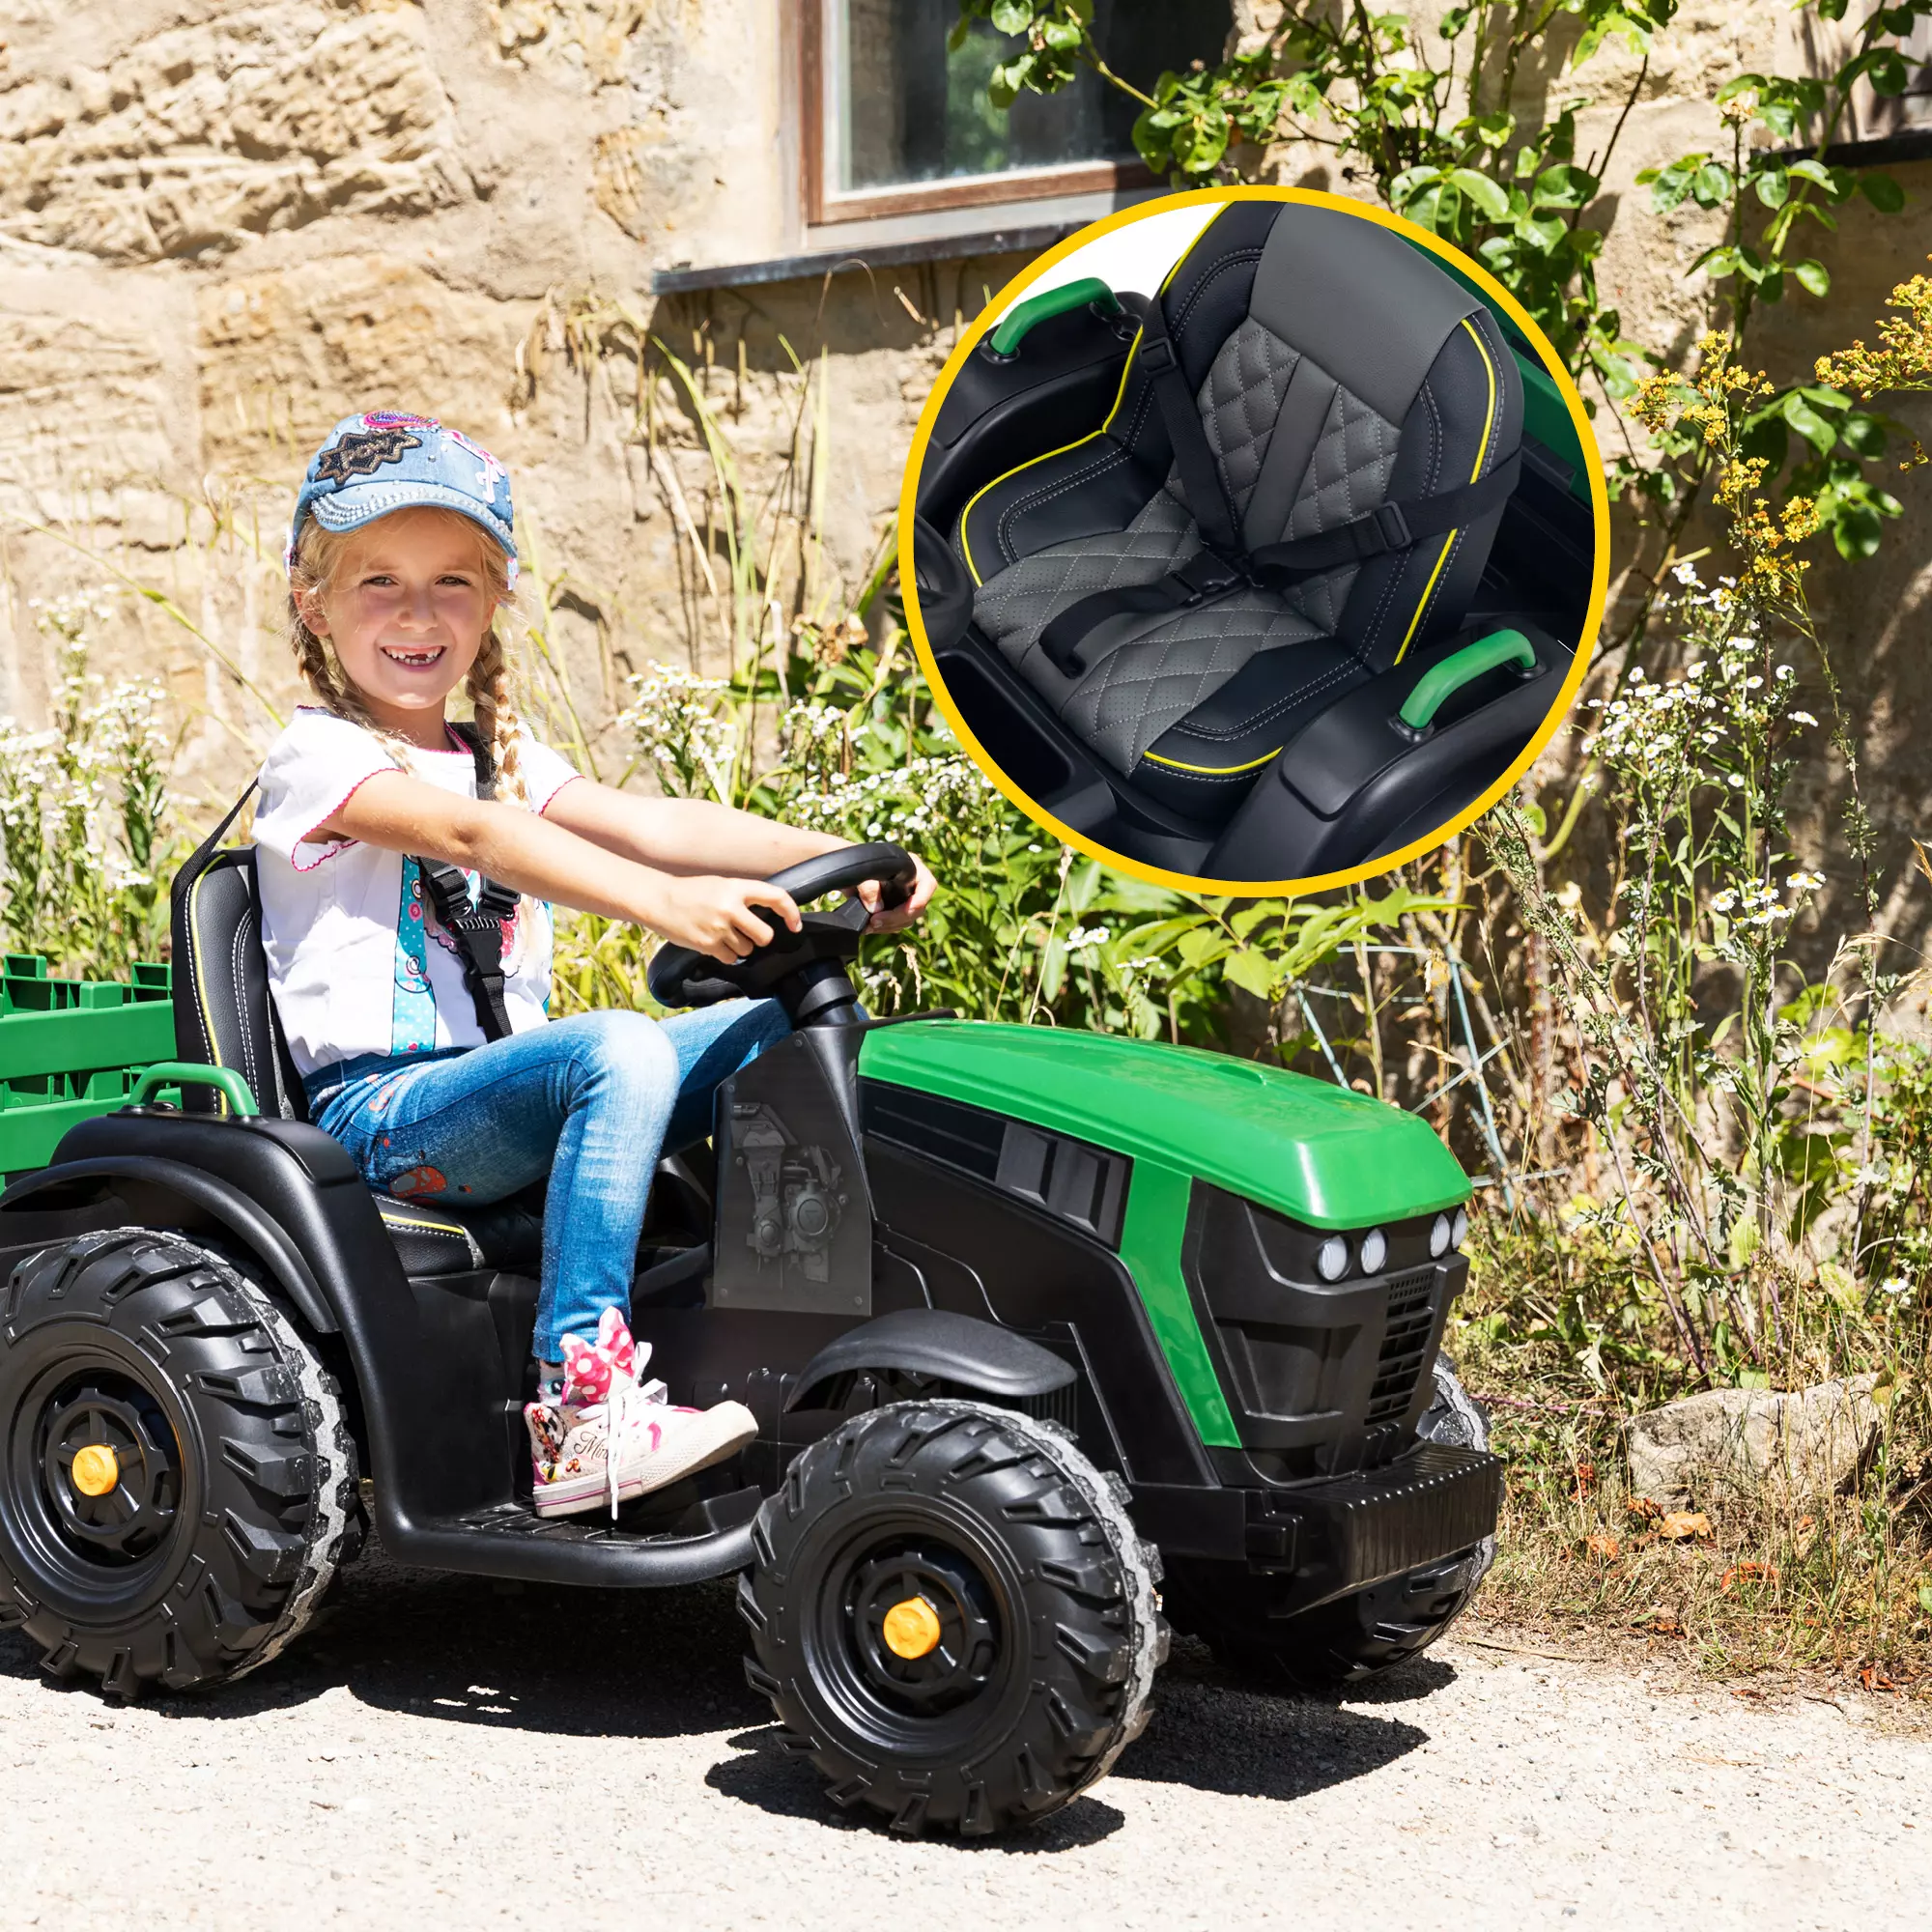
(714, 916)
(898, 918)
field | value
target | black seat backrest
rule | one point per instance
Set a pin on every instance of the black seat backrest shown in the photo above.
(224, 1016)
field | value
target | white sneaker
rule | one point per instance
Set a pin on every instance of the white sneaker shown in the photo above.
(657, 1443)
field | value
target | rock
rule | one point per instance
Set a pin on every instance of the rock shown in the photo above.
(1796, 1447)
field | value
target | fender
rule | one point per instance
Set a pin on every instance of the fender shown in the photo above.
(936, 1342)
(59, 1192)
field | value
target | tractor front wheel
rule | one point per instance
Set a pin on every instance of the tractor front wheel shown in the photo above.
(952, 1616)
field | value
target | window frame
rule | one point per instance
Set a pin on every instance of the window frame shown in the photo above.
(827, 206)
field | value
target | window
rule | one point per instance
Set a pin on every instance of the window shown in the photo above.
(897, 123)
(1822, 46)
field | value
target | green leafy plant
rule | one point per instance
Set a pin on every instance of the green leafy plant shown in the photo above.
(83, 806)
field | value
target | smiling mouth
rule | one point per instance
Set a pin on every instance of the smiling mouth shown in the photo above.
(412, 660)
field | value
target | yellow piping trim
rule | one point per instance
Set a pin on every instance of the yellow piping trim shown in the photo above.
(1207, 771)
(1482, 451)
(438, 1227)
(200, 990)
(1125, 370)
(964, 545)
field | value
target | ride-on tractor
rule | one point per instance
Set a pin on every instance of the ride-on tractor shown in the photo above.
(1028, 1319)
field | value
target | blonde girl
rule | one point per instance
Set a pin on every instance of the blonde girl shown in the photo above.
(401, 559)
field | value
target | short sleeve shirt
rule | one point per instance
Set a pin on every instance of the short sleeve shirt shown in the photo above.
(358, 963)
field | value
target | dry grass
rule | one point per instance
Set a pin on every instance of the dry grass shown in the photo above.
(1842, 1586)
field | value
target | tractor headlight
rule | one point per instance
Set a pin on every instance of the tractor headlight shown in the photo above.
(1442, 1231)
(1331, 1258)
(1459, 1229)
(1375, 1251)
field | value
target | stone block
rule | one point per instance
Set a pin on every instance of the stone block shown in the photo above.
(1779, 1447)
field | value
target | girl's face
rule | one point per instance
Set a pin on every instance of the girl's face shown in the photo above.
(407, 609)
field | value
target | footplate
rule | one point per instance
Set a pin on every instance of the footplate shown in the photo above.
(1338, 1537)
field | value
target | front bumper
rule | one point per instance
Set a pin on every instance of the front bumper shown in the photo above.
(1330, 1539)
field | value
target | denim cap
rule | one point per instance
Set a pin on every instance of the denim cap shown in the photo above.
(371, 464)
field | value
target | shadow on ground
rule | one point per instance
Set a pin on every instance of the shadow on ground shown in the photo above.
(467, 1650)
(662, 1664)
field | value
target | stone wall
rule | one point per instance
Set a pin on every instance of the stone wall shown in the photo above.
(223, 226)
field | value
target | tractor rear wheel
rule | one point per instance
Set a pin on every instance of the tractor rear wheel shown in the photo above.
(176, 1481)
(952, 1616)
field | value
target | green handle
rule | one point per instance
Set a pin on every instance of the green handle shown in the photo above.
(1011, 332)
(1443, 680)
(186, 1073)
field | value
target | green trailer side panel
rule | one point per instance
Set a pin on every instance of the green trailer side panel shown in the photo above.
(1326, 1156)
(71, 1049)
(1150, 1238)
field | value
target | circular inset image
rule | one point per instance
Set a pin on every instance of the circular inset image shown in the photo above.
(1259, 540)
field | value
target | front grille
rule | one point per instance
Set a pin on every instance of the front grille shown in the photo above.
(1412, 1321)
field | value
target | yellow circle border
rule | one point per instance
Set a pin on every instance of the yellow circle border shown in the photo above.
(1600, 504)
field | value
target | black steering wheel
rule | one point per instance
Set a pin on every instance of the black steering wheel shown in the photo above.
(804, 971)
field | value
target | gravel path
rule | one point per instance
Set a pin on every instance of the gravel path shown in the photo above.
(441, 1752)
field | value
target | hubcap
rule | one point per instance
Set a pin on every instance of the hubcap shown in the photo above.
(920, 1621)
(109, 1468)
(96, 1469)
(911, 1628)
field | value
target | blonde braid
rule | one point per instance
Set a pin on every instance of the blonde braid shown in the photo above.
(497, 720)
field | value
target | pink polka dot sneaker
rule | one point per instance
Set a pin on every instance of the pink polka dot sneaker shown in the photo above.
(574, 1465)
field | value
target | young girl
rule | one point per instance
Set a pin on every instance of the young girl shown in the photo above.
(402, 553)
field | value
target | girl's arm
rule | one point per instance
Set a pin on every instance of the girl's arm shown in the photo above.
(685, 836)
(710, 914)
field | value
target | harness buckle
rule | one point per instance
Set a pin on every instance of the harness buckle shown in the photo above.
(1205, 575)
(1156, 354)
(1384, 528)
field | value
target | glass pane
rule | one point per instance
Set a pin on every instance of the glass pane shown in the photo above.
(901, 108)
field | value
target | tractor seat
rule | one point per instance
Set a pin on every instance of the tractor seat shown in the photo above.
(224, 1016)
(1342, 381)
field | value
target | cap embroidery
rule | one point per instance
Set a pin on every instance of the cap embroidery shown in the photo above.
(363, 455)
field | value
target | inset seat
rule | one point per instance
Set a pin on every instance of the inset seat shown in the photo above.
(1352, 397)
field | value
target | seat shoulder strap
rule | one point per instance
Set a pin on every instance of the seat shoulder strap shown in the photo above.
(203, 854)
(1391, 526)
(1201, 482)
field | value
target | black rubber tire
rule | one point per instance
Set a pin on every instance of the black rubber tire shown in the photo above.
(1354, 1638)
(246, 1477)
(1045, 1556)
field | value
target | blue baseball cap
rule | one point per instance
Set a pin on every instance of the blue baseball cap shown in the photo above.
(371, 464)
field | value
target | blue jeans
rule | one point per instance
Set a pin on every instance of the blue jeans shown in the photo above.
(590, 1100)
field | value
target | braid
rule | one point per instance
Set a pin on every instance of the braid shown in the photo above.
(496, 719)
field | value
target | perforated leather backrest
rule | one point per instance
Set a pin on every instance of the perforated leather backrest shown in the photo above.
(224, 1015)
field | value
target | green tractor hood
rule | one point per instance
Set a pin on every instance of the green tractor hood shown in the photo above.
(1326, 1156)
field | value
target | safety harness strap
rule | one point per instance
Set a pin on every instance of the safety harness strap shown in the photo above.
(478, 928)
(1200, 483)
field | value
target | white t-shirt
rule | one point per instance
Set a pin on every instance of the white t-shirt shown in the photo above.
(357, 960)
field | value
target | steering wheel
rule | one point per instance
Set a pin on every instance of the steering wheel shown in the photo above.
(805, 970)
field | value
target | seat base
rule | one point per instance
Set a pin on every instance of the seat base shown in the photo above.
(1271, 835)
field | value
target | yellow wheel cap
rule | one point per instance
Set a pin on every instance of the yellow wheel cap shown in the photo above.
(96, 1469)
(911, 1628)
